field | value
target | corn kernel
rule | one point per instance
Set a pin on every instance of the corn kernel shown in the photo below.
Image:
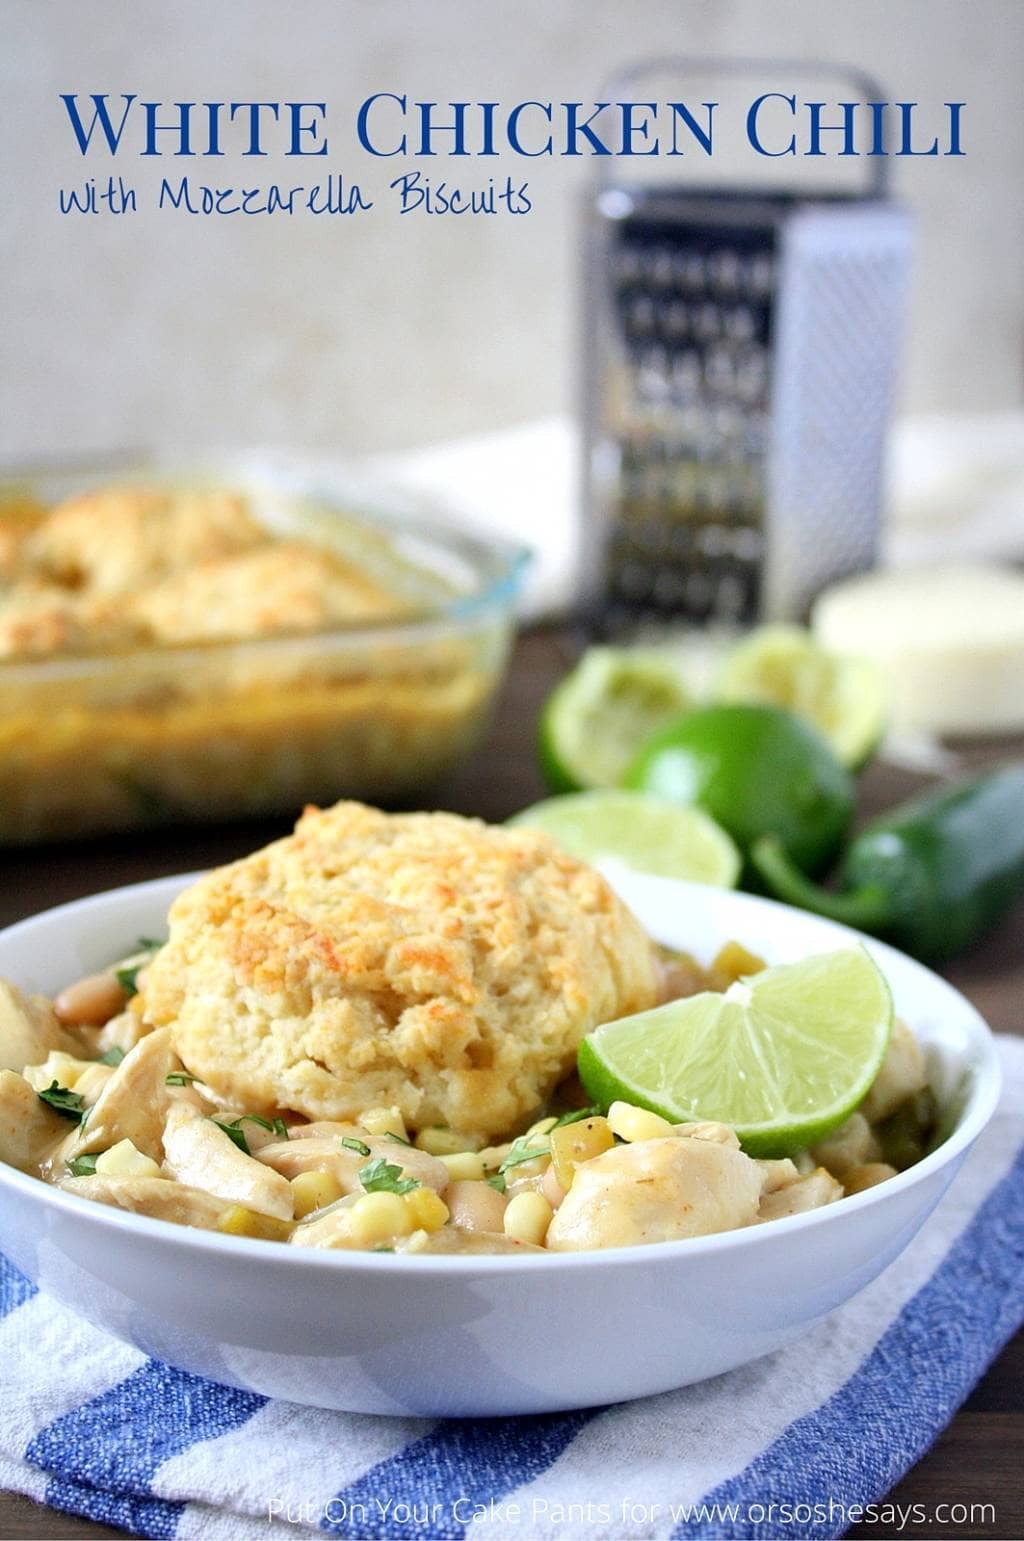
(384, 1121)
(312, 1190)
(631, 1123)
(437, 1141)
(528, 1169)
(92, 1081)
(239, 1221)
(732, 962)
(123, 1160)
(379, 1218)
(465, 1166)
(428, 1210)
(527, 1218)
(63, 1068)
(573, 1143)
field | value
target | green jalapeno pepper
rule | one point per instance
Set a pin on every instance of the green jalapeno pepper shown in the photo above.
(931, 876)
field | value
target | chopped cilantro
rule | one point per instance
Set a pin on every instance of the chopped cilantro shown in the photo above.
(398, 1139)
(83, 1166)
(382, 1248)
(180, 1078)
(520, 1151)
(127, 973)
(67, 1103)
(236, 1133)
(113, 1056)
(497, 1181)
(356, 1145)
(382, 1176)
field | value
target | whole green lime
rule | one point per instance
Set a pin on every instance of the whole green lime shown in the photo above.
(757, 770)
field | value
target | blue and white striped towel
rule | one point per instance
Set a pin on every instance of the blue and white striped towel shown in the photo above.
(93, 1427)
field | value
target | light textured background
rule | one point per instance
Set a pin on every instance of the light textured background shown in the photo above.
(384, 332)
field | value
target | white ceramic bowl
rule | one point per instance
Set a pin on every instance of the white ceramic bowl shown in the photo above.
(445, 1336)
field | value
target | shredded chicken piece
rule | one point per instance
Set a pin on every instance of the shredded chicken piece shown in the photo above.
(159, 1197)
(811, 1192)
(134, 1103)
(290, 1157)
(200, 1154)
(902, 1074)
(656, 1190)
(29, 1031)
(28, 1128)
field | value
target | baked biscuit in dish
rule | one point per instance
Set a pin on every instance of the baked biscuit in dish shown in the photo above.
(136, 566)
(19, 517)
(426, 961)
(121, 539)
(330, 652)
(39, 619)
(284, 586)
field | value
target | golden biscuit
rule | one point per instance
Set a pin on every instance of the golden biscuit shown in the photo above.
(424, 960)
(19, 517)
(287, 586)
(37, 619)
(116, 541)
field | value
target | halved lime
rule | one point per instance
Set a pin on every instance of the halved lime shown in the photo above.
(639, 832)
(594, 721)
(783, 1057)
(844, 697)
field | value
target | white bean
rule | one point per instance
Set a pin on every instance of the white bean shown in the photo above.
(475, 1206)
(90, 1002)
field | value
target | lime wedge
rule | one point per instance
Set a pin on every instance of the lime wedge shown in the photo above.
(595, 720)
(640, 833)
(844, 697)
(783, 1057)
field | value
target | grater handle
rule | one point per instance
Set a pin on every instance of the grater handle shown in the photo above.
(867, 87)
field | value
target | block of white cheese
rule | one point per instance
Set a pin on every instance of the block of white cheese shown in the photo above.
(950, 640)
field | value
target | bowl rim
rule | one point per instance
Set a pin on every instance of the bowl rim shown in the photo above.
(978, 1108)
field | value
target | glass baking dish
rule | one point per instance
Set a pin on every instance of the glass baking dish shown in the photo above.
(150, 735)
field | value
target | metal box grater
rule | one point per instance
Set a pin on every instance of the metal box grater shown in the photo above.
(739, 368)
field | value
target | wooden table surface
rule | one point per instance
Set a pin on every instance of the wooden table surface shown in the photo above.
(978, 1459)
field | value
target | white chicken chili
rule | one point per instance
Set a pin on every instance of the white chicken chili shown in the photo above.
(96, 1099)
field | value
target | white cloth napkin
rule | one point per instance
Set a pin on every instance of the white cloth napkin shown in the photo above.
(799, 1443)
(522, 483)
(956, 489)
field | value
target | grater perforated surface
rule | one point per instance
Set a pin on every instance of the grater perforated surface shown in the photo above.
(741, 366)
